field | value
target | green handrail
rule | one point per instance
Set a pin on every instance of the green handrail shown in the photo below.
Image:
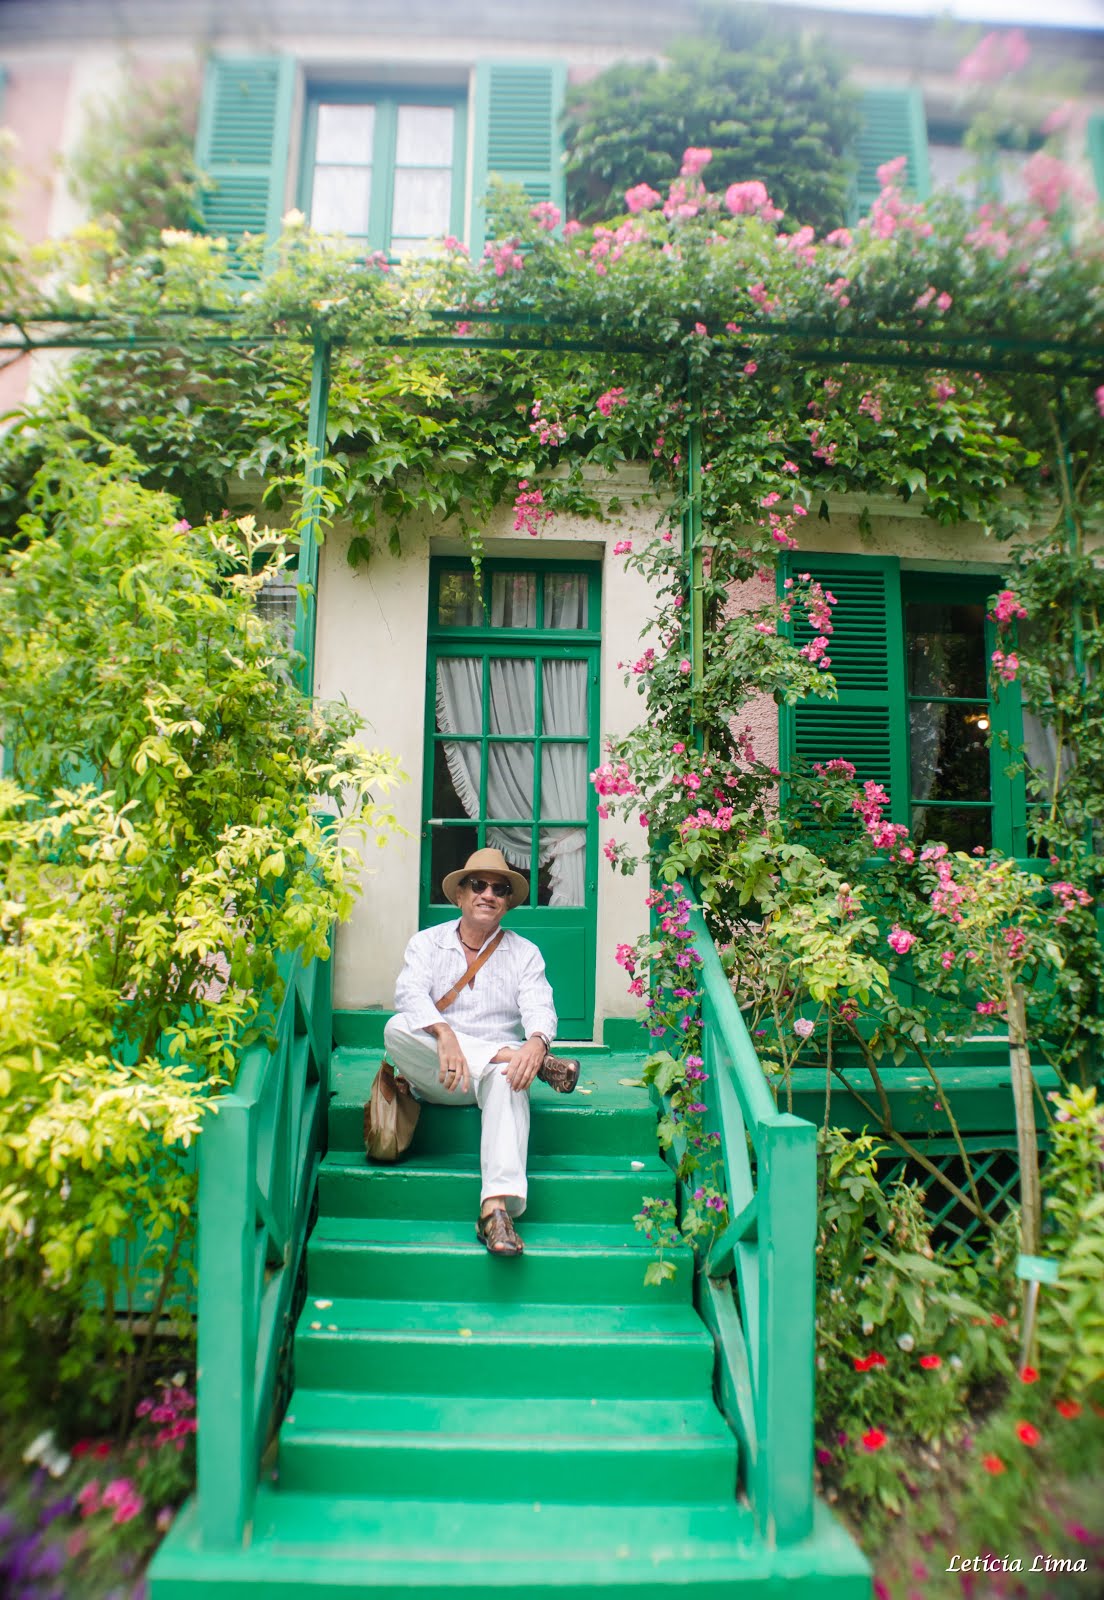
(258, 1161)
(757, 1288)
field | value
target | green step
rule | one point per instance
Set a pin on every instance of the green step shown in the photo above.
(412, 1446)
(603, 1116)
(332, 1548)
(580, 1351)
(424, 1259)
(565, 1188)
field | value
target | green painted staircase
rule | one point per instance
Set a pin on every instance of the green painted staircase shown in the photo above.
(462, 1425)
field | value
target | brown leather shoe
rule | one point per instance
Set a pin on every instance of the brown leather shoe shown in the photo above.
(559, 1073)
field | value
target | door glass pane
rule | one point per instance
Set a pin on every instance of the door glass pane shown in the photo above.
(961, 830)
(950, 758)
(345, 134)
(946, 650)
(513, 600)
(564, 688)
(513, 696)
(340, 199)
(563, 780)
(456, 779)
(423, 137)
(509, 781)
(565, 600)
(449, 849)
(459, 604)
(460, 694)
(421, 204)
(561, 880)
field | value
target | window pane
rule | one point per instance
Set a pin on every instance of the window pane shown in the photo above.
(510, 781)
(514, 600)
(345, 134)
(950, 758)
(423, 136)
(513, 696)
(565, 600)
(946, 649)
(960, 830)
(456, 779)
(459, 694)
(449, 849)
(459, 604)
(340, 199)
(561, 880)
(565, 697)
(564, 780)
(422, 197)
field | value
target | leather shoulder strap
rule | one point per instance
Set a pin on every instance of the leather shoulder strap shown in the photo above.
(469, 977)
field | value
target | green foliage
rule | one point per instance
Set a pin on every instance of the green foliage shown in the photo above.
(135, 164)
(144, 910)
(769, 104)
(1071, 1312)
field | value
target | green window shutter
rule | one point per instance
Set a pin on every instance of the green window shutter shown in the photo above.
(243, 141)
(518, 106)
(867, 724)
(1095, 139)
(893, 125)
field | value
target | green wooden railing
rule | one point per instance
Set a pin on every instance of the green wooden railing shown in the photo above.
(258, 1160)
(756, 1289)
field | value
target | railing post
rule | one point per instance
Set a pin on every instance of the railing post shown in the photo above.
(226, 1466)
(786, 1189)
(306, 608)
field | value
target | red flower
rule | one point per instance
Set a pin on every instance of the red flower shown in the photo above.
(929, 1363)
(1029, 1375)
(864, 1363)
(1028, 1433)
(992, 1464)
(101, 1450)
(874, 1439)
(1068, 1408)
(998, 1322)
(81, 1448)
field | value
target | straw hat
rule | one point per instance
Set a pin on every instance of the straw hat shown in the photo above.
(486, 863)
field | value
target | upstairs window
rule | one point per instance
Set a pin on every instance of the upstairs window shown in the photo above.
(386, 169)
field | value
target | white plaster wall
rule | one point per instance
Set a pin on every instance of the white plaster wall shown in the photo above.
(371, 649)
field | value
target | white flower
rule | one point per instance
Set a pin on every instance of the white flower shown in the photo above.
(171, 236)
(82, 292)
(907, 1342)
(803, 1027)
(294, 219)
(868, 1329)
(39, 1445)
(955, 1362)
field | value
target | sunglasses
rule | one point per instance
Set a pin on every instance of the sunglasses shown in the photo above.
(503, 891)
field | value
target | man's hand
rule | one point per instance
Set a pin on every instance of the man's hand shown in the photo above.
(526, 1063)
(453, 1073)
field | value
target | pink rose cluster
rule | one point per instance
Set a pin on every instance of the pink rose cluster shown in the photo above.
(994, 57)
(1007, 609)
(611, 401)
(547, 429)
(530, 511)
(870, 806)
(546, 215)
(1068, 896)
(890, 211)
(750, 199)
(504, 257)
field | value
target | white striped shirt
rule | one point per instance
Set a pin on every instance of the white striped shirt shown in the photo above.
(511, 997)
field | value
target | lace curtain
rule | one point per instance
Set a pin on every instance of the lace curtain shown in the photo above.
(512, 711)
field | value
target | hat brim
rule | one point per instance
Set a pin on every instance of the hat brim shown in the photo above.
(450, 884)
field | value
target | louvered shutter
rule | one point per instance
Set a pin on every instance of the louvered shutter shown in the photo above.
(868, 723)
(518, 106)
(1095, 138)
(893, 124)
(243, 141)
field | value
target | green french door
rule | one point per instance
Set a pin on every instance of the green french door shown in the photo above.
(511, 738)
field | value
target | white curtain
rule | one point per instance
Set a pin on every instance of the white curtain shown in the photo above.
(512, 711)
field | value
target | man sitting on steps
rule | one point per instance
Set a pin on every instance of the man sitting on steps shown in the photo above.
(496, 1038)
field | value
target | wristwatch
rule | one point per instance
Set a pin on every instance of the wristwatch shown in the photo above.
(545, 1040)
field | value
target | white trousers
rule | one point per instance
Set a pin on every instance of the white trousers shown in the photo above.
(504, 1142)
